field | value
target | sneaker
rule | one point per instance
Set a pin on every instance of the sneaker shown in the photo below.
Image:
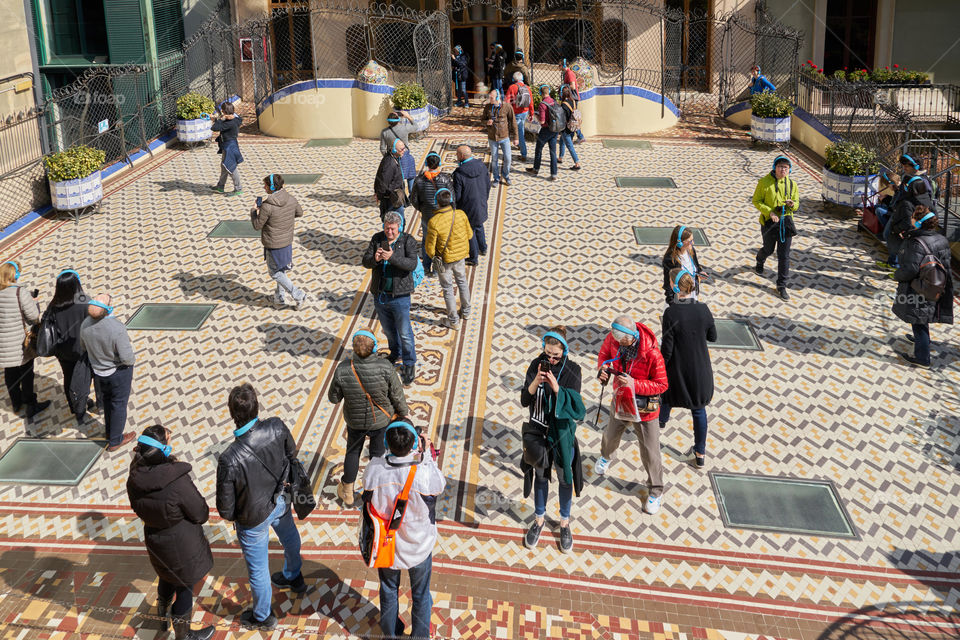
(279, 299)
(532, 170)
(506, 181)
(494, 183)
(913, 361)
(886, 265)
(533, 534)
(470, 263)
(217, 189)
(34, 409)
(782, 292)
(566, 539)
(235, 192)
(601, 467)
(758, 269)
(463, 314)
(652, 505)
(553, 178)
(247, 620)
(297, 585)
(576, 167)
(301, 302)
(483, 253)
(909, 337)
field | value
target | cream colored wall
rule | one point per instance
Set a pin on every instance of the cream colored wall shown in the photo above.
(315, 113)
(799, 131)
(16, 59)
(369, 113)
(604, 116)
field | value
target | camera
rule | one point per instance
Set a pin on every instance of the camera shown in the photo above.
(35, 293)
(607, 370)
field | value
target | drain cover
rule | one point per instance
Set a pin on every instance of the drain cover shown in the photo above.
(327, 142)
(661, 235)
(35, 461)
(170, 317)
(645, 183)
(626, 144)
(735, 334)
(299, 178)
(234, 229)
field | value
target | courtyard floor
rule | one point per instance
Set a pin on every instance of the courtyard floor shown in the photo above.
(825, 399)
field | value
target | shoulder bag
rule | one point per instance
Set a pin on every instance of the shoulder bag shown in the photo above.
(377, 537)
(369, 399)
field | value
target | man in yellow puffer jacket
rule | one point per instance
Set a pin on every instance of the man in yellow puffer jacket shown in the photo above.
(777, 199)
(448, 236)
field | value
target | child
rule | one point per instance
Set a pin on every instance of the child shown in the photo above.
(228, 124)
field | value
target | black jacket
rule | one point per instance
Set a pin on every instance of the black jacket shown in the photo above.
(424, 192)
(687, 328)
(248, 476)
(172, 510)
(471, 188)
(909, 305)
(399, 268)
(388, 185)
(913, 191)
(67, 319)
(668, 265)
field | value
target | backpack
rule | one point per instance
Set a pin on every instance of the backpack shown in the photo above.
(573, 122)
(931, 280)
(558, 119)
(522, 100)
(377, 535)
(48, 336)
(418, 274)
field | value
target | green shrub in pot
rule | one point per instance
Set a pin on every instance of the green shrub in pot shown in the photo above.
(192, 106)
(408, 96)
(851, 159)
(74, 163)
(770, 105)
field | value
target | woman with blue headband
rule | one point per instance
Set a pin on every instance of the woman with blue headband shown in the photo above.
(66, 312)
(19, 313)
(163, 496)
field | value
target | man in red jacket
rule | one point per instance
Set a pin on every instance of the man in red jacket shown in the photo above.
(630, 350)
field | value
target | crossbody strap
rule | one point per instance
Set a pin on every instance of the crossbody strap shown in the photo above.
(453, 221)
(364, 389)
(264, 464)
(400, 504)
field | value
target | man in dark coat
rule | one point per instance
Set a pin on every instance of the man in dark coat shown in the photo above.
(423, 197)
(471, 189)
(388, 185)
(915, 189)
(909, 305)
(461, 69)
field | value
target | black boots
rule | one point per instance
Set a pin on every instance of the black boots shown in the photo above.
(163, 608)
(182, 630)
(407, 373)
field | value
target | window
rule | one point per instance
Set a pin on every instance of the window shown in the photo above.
(554, 40)
(613, 39)
(293, 49)
(77, 28)
(851, 28)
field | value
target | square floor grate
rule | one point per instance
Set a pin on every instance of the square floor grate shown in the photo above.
(234, 229)
(328, 142)
(735, 334)
(170, 317)
(626, 144)
(783, 505)
(661, 235)
(62, 462)
(299, 178)
(633, 182)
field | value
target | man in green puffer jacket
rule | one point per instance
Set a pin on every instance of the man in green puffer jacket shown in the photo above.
(777, 199)
(373, 398)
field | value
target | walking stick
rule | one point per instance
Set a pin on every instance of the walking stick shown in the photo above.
(596, 420)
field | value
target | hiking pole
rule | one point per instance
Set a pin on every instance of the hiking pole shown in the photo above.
(596, 420)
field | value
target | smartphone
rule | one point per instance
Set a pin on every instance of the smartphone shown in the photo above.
(544, 366)
(259, 201)
(385, 245)
(35, 293)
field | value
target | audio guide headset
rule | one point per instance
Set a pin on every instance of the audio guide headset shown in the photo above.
(556, 336)
(432, 153)
(97, 303)
(69, 271)
(364, 332)
(919, 223)
(785, 159)
(395, 141)
(272, 188)
(680, 236)
(905, 159)
(165, 449)
(16, 269)
(436, 195)
(401, 424)
(676, 281)
(627, 330)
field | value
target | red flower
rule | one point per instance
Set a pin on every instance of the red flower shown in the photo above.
(887, 68)
(821, 70)
(896, 66)
(809, 61)
(844, 68)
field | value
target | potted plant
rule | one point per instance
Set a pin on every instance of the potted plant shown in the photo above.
(193, 117)
(850, 174)
(770, 117)
(74, 177)
(410, 97)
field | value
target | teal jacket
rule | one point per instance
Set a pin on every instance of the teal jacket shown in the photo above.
(563, 433)
(771, 193)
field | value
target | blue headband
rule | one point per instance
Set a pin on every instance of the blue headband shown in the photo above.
(398, 424)
(165, 449)
(395, 141)
(680, 236)
(778, 159)
(364, 332)
(69, 271)
(433, 153)
(556, 336)
(915, 164)
(272, 188)
(622, 329)
(437, 195)
(16, 269)
(101, 305)
(676, 281)
(920, 222)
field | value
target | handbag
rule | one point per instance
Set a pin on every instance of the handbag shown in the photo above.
(646, 404)
(437, 262)
(377, 536)
(292, 479)
(48, 337)
(29, 333)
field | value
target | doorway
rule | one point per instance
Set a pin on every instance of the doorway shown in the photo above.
(688, 44)
(476, 29)
(850, 32)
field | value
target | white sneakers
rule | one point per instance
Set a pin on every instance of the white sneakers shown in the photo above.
(601, 467)
(652, 505)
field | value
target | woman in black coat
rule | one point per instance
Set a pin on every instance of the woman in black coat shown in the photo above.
(911, 306)
(687, 327)
(162, 494)
(66, 311)
(680, 254)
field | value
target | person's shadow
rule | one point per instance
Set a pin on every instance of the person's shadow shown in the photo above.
(335, 249)
(218, 286)
(182, 185)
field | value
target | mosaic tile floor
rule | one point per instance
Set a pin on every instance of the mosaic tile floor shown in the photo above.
(825, 399)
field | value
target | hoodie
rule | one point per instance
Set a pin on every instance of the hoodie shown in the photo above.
(647, 368)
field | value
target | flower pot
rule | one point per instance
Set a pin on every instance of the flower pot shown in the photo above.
(849, 190)
(421, 118)
(194, 130)
(770, 129)
(76, 194)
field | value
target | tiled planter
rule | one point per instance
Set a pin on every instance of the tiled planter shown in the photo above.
(770, 129)
(421, 118)
(76, 194)
(849, 190)
(194, 130)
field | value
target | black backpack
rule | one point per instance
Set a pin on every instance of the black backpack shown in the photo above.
(931, 280)
(558, 119)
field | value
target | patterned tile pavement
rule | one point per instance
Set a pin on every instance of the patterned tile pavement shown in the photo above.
(826, 399)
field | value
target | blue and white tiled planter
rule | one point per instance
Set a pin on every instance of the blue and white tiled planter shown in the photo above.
(849, 191)
(421, 118)
(76, 194)
(194, 130)
(770, 129)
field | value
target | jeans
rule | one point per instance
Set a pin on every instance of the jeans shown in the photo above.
(223, 178)
(351, 458)
(541, 490)
(500, 149)
(421, 602)
(283, 282)
(566, 140)
(184, 598)
(19, 381)
(699, 425)
(394, 315)
(546, 137)
(478, 243)
(254, 543)
(450, 272)
(115, 392)
(921, 343)
(461, 93)
(521, 123)
(771, 239)
(497, 83)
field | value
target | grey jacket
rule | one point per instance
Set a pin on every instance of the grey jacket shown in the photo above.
(11, 324)
(380, 380)
(107, 344)
(275, 219)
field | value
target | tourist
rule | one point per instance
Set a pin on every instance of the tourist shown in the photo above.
(569, 78)
(680, 254)
(910, 305)
(461, 70)
(391, 256)
(471, 190)
(252, 495)
(501, 126)
(545, 137)
(388, 184)
(551, 390)
(759, 82)
(397, 129)
(448, 237)
(569, 105)
(915, 189)
(111, 356)
(687, 327)
(630, 353)
(275, 216)
(777, 199)
(423, 196)
(173, 512)
(514, 67)
(66, 312)
(383, 480)
(497, 64)
(228, 124)
(372, 395)
(521, 99)
(18, 312)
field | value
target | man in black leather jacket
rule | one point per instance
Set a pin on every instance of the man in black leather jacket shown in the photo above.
(252, 493)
